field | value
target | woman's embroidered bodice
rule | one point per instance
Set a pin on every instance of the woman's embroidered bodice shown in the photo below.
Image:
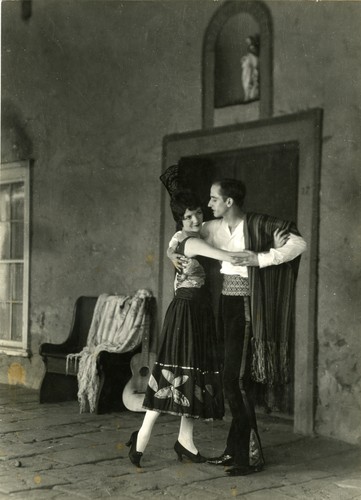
(195, 276)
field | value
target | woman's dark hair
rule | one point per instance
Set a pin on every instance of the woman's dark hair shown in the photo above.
(180, 202)
(232, 188)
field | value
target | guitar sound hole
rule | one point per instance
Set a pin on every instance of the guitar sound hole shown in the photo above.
(144, 371)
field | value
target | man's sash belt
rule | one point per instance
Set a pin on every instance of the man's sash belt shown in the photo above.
(233, 284)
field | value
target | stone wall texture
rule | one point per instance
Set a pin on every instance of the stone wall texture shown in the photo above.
(89, 90)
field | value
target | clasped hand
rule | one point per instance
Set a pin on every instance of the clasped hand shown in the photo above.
(249, 258)
(245, 258)
(184, 264)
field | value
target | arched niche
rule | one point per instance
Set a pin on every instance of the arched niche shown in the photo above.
(224, 46)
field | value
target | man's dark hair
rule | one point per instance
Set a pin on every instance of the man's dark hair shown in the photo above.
(180, 202)
(232, 188)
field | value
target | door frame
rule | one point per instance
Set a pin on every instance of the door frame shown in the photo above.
(305, 128)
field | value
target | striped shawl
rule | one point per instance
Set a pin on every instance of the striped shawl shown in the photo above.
(272, 302)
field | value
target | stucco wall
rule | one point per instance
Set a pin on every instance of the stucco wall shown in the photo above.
(89, 90)
(317, 49)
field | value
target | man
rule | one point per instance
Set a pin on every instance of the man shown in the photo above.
(255, 312)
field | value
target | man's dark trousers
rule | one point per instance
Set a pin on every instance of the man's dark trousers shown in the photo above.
(235, 335)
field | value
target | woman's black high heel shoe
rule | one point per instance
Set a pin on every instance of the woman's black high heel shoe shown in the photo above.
(133, 454)
(180, 451)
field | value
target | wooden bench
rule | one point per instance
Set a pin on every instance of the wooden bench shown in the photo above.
(113, 368)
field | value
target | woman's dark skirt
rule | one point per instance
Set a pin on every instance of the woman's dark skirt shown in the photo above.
(186, 378)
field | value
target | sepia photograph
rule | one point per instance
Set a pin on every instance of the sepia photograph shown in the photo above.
(180, 274)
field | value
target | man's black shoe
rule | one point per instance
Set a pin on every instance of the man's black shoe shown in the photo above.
(243, 470)
(221, 460)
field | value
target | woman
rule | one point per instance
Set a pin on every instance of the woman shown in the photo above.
(186, 378)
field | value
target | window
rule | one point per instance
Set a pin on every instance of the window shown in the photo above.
(14, 257)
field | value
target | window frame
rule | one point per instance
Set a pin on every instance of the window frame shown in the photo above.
(13, 172)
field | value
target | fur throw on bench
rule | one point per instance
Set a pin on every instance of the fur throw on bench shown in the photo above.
(117, 326)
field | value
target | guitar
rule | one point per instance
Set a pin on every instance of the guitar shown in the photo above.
(141, 366)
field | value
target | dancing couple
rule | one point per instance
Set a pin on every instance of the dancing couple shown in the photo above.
(195, 366)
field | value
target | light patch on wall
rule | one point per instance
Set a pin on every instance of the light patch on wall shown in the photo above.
(16, 374)
(149, 259)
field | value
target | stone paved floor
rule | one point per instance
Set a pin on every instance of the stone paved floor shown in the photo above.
(53, 452)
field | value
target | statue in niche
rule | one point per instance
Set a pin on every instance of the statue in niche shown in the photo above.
(250, 69)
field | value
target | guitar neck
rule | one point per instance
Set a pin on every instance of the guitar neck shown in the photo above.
(146, 333)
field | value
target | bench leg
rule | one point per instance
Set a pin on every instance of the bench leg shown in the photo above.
(56, 387)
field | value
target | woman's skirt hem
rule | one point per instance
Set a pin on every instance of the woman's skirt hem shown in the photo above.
(181, 414)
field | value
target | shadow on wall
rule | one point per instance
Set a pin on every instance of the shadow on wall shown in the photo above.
(15, 142)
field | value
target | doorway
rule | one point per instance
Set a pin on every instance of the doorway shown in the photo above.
(279, 160)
